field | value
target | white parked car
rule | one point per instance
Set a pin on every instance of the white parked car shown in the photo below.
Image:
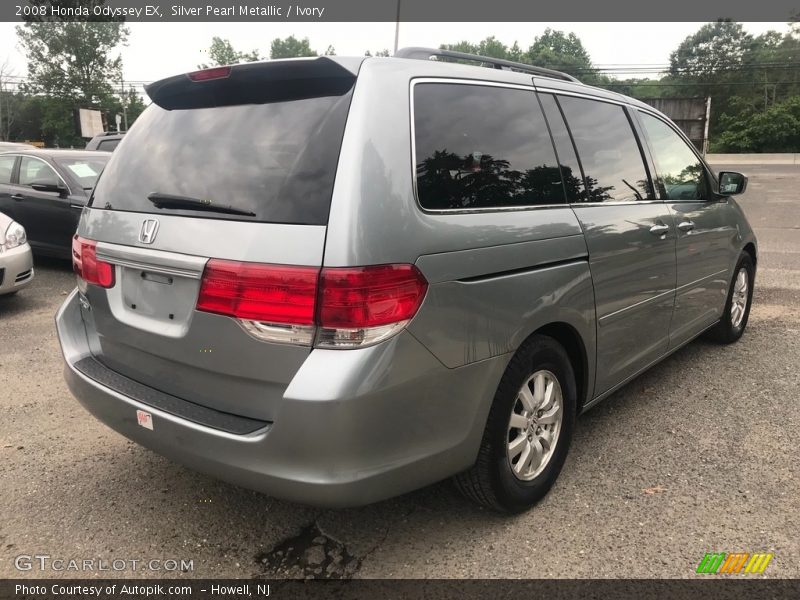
(16, 260)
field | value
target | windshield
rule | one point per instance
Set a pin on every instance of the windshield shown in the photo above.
(84, 170)
(272, 162)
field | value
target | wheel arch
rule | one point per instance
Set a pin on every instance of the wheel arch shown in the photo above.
(750, 248)
(575, 347)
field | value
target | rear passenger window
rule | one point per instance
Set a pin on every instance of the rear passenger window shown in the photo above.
(482, 147)
(609, 153)
(6, 168)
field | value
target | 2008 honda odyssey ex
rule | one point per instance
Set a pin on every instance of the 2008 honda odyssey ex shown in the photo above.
(337, 280)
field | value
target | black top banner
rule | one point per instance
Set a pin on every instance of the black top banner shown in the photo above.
(400, 10)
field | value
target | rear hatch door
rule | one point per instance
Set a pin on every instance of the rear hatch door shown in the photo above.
(235, 165)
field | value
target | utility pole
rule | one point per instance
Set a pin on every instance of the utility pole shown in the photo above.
(397, 28)
(124, 105)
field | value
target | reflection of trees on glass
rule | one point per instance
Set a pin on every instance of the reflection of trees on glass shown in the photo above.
(686, 185)
(447, 180)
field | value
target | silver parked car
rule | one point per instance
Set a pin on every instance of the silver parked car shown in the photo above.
(16, 259)
(336, 280)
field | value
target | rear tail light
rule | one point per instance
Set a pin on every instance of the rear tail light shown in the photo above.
(331, 307)
(87, 266)
(272, 302)
(364, 305)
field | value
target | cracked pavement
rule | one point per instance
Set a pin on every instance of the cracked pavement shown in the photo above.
(699, 454)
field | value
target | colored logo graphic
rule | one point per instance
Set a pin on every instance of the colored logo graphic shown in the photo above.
(719, 563)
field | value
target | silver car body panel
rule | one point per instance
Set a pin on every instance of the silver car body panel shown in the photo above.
(346, 427)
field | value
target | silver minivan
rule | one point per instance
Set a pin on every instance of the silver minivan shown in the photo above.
(336, 280)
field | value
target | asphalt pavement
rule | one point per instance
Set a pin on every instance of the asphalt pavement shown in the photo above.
(698, 455)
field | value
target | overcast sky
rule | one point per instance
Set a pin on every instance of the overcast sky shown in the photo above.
(157, 50)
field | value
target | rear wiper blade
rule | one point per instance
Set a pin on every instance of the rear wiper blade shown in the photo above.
(160, 200)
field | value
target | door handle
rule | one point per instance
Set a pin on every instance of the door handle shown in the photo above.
(686, 226)
(17, 197)
(659, 229)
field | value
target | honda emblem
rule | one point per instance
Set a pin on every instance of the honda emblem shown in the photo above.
(148, 233)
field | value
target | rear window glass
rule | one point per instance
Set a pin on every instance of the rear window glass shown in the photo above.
(609, 153)
(482, 147)
(108, 145)
(84, 170)
(276, 160)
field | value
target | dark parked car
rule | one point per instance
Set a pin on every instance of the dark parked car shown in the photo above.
(45, 190)
(106, 141)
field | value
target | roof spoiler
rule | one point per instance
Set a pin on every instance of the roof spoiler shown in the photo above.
(256, 83)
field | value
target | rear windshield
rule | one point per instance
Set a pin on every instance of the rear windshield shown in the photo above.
(84, 170)
(275, 160)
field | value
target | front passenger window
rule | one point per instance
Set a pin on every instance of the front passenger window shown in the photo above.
(681, 175)
(33, 170)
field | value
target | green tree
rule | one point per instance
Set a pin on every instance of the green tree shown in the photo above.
(70, 65)
(77, 60)
(775, 130)
(221, 52)
(563, 52)
(291, 47)
(710, 51)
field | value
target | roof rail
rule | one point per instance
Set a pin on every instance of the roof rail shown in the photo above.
(495, 63)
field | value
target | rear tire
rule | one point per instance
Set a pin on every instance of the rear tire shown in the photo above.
(535, 428)
(734, 318)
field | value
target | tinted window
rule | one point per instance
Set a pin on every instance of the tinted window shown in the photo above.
(570, 168)
(276, 160)
(482, 147)
(84, 170)
(681, 175)
(612, 162)
(108, 145)
(33, 170)
(6, 168)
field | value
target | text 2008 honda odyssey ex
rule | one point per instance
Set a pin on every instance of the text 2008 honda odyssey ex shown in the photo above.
(337, 280)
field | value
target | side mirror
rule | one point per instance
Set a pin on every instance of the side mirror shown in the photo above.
(56, 188)
(731, 183)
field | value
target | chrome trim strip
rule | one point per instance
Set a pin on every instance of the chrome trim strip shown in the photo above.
(156, 261)
(548, 90)
(615, 203)
(612, 316)
(696, 281)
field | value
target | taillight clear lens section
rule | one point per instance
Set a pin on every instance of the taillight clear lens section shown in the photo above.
(333, 308)
(87, 266)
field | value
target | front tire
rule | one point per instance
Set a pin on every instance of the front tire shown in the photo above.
(737, 307)
(528, 431)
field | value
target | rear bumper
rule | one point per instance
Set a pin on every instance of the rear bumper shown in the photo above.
(16, 269)
(353, 427)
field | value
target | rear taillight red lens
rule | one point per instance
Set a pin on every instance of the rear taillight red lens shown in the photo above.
(209, 74)
(270, 293)
(370, 296)
(352, 306)
(87, 266)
